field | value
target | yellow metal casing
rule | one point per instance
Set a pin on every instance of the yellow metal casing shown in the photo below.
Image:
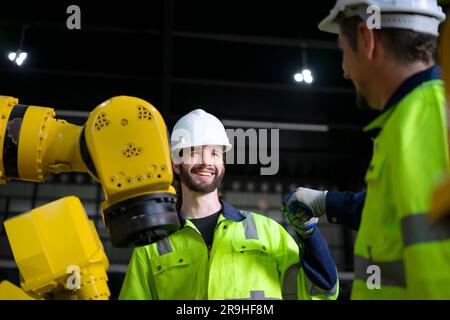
(128, 144)
(51, 143)
(6, 106)
(124, 145)
(38, 143)
(8, 291)
(49, 240)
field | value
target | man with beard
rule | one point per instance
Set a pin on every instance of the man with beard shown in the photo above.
(398, 253)
(221, 252)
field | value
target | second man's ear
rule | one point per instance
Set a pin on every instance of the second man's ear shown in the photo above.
(367, 40)
(176, 168)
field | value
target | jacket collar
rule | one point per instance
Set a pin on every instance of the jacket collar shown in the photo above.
(228, 212)
(405, 88)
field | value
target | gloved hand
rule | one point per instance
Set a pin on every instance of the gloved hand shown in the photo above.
(302, 207)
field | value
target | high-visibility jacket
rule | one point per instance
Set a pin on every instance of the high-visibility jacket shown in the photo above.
(398, 253)
(252, 257)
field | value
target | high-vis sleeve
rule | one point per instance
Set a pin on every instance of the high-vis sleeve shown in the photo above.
(136, 285)
(318, 281)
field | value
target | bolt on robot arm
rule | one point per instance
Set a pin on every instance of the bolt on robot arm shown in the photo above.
(123, 145)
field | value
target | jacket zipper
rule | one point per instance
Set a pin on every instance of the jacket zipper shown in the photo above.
(209, 251)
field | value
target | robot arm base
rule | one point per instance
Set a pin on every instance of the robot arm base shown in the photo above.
(141, 220)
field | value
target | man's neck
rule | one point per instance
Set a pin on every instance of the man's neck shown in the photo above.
(197, 205)
(390, 79)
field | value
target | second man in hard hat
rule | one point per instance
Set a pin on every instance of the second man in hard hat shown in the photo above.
(389, 51)
(222, 252)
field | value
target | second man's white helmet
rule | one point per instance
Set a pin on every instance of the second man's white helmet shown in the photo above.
(417, 15)
(198, 128)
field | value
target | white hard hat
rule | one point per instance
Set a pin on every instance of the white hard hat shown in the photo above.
(198, 128)
(417, 15)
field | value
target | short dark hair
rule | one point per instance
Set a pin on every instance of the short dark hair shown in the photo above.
(406, 46)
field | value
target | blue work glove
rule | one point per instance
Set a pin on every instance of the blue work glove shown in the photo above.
(303, 207)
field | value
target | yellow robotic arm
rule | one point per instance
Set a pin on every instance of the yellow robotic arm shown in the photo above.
(58, 253)
(34, 143)
(123, 145)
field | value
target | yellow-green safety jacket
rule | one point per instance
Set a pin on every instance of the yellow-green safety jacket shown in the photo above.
(252, 257)
(396, 242)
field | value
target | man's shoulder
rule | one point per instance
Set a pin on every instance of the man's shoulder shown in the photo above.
(260, 218)
(424, 103)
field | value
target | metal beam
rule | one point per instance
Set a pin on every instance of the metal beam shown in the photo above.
(74, 73)
(85, 28)
(190, 81)
(323, 127)
(235, 38)
(263, 86)
(258, 40)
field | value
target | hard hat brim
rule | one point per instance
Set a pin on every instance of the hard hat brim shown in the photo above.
(329, 25)
(227, 147)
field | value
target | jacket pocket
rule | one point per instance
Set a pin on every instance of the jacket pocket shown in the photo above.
(255, 269)
(172, 274)
(250, 246)
(169, 261)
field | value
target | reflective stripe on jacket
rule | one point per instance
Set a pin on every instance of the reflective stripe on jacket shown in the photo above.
(410, 157)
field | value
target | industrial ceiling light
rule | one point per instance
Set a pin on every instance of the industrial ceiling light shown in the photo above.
(305, 75)
(298, 77)
(19, 56)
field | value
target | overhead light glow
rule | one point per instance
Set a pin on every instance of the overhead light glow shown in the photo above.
(12, 56)
(298, 77)
(23, 55)
(18, 57)
(306, 73)
(19, 62)
(304, 76)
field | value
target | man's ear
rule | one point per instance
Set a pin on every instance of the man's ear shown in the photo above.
(366, 41)
(176, 168)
